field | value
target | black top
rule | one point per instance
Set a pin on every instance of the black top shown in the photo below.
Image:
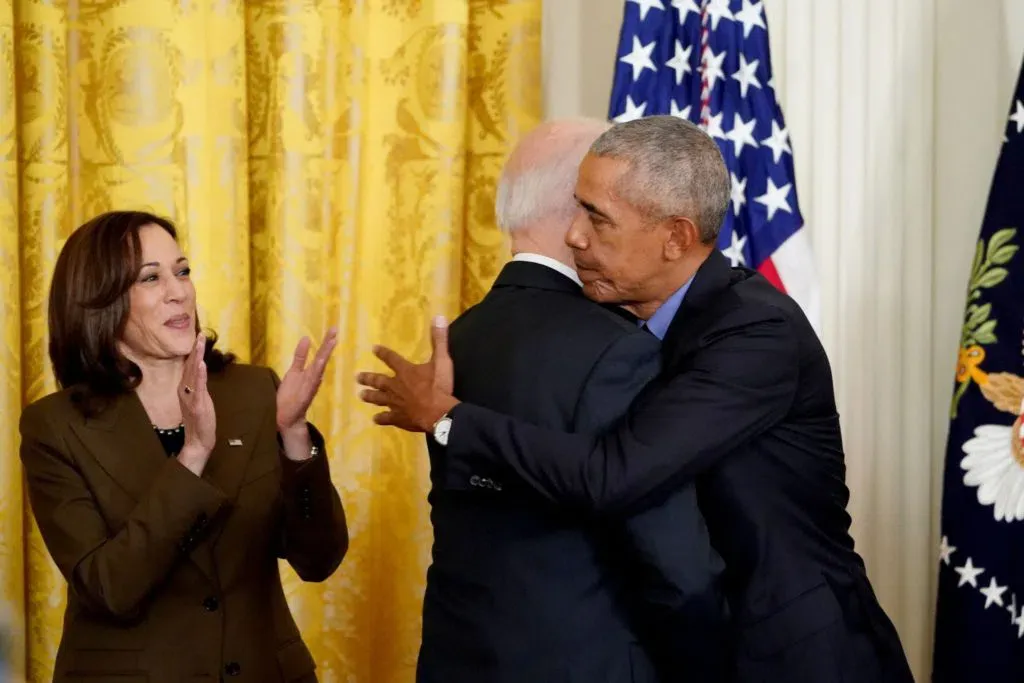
(171, 439)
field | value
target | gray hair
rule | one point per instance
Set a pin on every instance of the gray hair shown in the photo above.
(676, 169)
(539, 179)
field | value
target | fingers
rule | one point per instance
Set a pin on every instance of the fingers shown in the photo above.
(324, 353)
(201, 377)
(192, 362)
(190, 373)
(301, 353)
(439, 340)
(375, 396)
(392, 419)
(386, 418)
(374, 380)
(444, 369)
(391, 358)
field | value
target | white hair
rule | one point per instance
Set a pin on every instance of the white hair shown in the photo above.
(539, 178)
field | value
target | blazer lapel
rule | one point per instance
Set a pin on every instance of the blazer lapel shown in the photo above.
(713, 278)
(123, 442)
(236, 437)
(238, 428)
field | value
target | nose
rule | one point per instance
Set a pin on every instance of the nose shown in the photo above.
(176, 290)
(576, 236)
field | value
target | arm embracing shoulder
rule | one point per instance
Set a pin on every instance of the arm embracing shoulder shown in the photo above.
(740, 383)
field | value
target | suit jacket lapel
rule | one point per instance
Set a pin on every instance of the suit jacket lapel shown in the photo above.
(123, 442)
(712, 279)
(237, 430)
(236, 439)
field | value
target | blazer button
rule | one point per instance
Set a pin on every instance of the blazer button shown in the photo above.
(232, 669)
(211, 604)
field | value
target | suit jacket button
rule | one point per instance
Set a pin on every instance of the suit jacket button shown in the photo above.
(211, 604)
(474, 480)
(232, 669)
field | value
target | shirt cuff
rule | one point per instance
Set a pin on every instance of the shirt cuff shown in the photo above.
(292, 468)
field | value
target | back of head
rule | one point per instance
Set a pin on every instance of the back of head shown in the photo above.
(535, 192)
(676, 169)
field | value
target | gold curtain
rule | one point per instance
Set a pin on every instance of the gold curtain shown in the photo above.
(329, 161)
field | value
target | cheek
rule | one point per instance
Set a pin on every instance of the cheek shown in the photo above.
(609, 256)
(142, 315)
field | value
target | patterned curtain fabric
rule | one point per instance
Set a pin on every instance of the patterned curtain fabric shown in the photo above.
(328, 161)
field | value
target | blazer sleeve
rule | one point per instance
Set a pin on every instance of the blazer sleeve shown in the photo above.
(675, 575)
(111, 573)
(314, 537)
(736, 387)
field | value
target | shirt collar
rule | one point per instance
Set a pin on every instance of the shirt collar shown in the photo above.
(662, 318)
(554, 264)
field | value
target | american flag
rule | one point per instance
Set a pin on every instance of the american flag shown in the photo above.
(708, 61)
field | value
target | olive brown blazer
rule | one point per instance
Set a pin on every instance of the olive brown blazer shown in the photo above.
(172, 577)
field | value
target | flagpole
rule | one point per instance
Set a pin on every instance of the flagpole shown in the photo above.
(705, 49)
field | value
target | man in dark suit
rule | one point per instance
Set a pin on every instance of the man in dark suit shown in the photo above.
(520, 591)
(745, 402)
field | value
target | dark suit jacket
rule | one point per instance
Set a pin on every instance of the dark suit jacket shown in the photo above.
(172, 577)
(746, 400)
(521, 592)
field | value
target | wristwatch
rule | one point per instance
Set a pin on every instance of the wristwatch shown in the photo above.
(441, 429)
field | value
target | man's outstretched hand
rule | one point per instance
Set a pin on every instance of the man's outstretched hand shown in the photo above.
(417, 395)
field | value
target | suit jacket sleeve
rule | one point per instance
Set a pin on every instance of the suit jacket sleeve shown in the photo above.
(675, 574)
(314, 537)
(739, 384)
(111, 572)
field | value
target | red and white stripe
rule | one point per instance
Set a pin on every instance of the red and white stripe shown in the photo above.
(791, 269)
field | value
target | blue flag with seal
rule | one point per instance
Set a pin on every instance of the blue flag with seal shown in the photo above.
(979, 630)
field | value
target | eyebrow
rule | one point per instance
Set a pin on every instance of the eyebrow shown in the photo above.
(592, 209)
(154, 263)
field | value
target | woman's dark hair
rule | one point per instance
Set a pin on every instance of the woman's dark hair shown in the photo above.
(89, 306)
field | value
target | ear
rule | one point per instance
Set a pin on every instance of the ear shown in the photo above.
(682, 236)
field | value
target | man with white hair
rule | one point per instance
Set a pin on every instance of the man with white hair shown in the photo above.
(520, 591)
